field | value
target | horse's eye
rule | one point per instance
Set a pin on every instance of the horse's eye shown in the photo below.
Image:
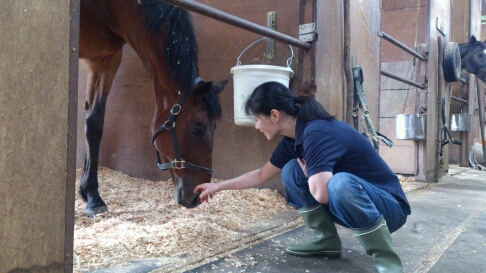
(197, 130)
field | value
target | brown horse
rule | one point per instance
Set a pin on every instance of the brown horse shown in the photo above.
(163, 37)
(473, 57)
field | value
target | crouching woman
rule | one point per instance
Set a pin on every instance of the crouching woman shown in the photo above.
(331, 174)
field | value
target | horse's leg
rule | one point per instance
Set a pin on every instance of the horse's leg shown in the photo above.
(101, 73)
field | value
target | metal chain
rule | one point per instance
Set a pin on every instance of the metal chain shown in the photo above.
(416, 26)
(413, 75)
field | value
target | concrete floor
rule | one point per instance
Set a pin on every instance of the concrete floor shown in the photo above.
(445, 233)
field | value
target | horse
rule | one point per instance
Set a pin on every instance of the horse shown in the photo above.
(473, 57)
(163, 37)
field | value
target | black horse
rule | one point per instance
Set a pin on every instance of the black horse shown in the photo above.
(473, 57)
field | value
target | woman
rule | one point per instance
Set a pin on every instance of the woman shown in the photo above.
(331, 173)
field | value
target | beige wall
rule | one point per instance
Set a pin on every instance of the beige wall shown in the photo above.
(37, 139)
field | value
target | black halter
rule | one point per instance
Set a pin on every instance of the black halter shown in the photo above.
(169, 125)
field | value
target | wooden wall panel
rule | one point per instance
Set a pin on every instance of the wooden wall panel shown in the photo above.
(330, 78)
(366, 22)
(126, 145)
(38, 72)
(405, 21)
(126, 139)
(397, 98)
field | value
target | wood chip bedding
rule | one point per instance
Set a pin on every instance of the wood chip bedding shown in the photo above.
(144, 221)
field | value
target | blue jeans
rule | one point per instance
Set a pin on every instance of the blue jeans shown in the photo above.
(353, 202)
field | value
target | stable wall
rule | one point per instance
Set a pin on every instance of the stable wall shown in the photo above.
(319, 72)
(405, 21)
(38, 73)
(413, 23)
(126, 138)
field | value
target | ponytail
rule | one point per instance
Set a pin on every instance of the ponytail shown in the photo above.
(310, 109)
(274, 95)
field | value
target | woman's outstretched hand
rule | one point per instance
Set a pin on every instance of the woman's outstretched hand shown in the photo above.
(207, 190)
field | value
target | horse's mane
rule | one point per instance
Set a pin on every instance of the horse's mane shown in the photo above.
(464, 48)
(180, 42)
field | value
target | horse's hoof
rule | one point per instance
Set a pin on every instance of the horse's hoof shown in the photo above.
(91, 212)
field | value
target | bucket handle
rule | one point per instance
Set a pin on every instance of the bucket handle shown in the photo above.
(289, 60)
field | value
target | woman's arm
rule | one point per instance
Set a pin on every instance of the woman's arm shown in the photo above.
(248, 180)
(318, 186)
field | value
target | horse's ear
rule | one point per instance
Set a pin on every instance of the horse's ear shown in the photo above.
(217, 88)
(202, 87)
(472, 40)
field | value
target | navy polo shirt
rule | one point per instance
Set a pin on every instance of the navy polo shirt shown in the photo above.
(334, 146)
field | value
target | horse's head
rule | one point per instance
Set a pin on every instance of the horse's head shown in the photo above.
(190, 139)
(473, 57)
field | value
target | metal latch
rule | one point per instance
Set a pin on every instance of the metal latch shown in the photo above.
(307, 32)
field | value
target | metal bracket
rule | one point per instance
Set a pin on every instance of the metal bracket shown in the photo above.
(441, 26)
(307, 32)
(271, 42)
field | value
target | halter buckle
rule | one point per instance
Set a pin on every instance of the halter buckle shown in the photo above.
(179, 164)
(167, 125)
(176, 109)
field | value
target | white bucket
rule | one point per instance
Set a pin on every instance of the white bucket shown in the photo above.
(248, 77)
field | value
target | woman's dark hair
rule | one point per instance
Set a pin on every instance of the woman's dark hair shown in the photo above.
(274, 95)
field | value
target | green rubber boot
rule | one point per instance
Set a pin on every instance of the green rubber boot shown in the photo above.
(377, 243)
(326, 240)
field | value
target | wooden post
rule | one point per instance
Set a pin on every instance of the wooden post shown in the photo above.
(435, 166)
(474, 29)
(38, 102)
(329, 79)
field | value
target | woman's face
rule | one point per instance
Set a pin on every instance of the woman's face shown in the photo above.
(267, 125)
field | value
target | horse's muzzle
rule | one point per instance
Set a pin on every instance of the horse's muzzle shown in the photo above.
(185, 197)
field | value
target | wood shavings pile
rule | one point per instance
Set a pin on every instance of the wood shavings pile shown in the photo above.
(406, 178)
(144, 221)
